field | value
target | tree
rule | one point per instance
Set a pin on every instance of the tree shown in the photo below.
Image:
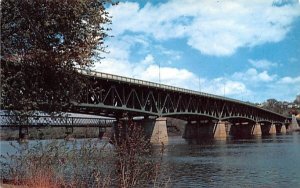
(297, 100)
(42, 45)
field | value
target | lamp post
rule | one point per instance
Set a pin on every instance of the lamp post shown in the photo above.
(159, 73)
(199, 84)
(224, 88)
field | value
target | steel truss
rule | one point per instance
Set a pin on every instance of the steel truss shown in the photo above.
(112, 96)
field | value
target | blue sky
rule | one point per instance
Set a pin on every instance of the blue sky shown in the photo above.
(247, 50)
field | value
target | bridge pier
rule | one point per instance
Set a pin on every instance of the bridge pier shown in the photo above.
(256, 130)
(280, 128)
(272, 129)
(243, 129)
(220, 130)
(206, 129)
(268, 129)
(23, 133)
(69, 131)
(283, 129)
(156, 130)
(115, 132)
(102, 130)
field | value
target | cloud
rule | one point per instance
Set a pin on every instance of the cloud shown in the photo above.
(222, 86)
(147, 68)
(289, 80)
(216, 28)
(262, 64)
(254, 76)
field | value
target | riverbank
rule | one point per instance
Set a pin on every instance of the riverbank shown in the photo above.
(175, 128)
(52, 133)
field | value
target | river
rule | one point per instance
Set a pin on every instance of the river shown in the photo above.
(272, 161)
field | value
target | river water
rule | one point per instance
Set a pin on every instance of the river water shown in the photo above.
(272, 161)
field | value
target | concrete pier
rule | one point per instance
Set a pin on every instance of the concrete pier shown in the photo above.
(272, 129)
(220, 130)
(156, 130)
(283, 129)
(205, 129)
(256, 131)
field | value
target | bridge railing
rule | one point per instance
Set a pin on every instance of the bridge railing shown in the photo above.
(143, 82)
(39, 121)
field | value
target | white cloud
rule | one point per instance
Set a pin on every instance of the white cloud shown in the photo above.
(149, 59)
(212, 27)
(254, 76)
(222, 86)
(118, 62)
(289, 80)
(262, 64)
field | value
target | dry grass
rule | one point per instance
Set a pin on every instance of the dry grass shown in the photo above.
(89, 163)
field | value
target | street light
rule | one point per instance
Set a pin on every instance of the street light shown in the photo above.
(159, 72)
(199, 84)
(224, 88)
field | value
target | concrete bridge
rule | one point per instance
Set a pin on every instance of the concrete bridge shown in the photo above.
(206, 114)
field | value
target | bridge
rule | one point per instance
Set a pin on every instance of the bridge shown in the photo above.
(42, 121)
(206, 114)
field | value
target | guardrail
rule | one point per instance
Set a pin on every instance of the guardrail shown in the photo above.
(40, 121)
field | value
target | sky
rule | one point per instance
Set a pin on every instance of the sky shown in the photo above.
(246, 50)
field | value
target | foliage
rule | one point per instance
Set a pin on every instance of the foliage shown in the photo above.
(281, 107)
(57, 164)
(42, 44)
(86, 163)
(136, 166)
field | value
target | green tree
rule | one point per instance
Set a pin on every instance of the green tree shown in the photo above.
(42, 45)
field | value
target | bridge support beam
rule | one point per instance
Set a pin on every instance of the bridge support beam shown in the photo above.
(256, 130)
(156, 130)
